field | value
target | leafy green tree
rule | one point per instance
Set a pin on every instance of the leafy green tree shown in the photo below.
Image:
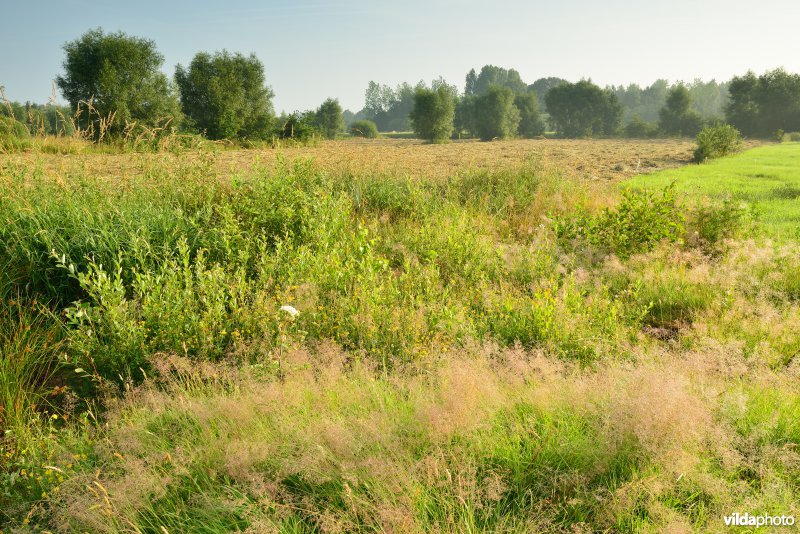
(644, 102)
(120, 75)
(541, 86)
(491, 75)
(497, 116)
(433, 113)
(760, 106)
(530, 120)
(677, 116)
(778, 100)
(364, 128)
(638, 128)
(466, 119)
(583, 109)
(470, 82)
(225, 96)
(329, 118)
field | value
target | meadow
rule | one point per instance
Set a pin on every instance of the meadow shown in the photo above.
(516, 336)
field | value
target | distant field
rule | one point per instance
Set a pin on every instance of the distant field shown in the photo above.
(593, 159)
(767, 178)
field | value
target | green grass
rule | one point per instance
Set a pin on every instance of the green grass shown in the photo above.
(767, 178)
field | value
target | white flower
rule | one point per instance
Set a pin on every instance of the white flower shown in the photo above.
(291, 310)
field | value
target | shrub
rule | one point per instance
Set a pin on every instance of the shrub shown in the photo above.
(364, 128)
(794, 137)
(636, 225)
(715, 222)
(298, 126)
(716, 142)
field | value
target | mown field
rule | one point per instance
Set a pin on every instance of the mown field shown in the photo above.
(498, 337)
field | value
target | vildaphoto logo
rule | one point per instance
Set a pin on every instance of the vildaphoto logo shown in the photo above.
(748, 520)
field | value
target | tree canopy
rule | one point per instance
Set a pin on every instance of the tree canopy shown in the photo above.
(583, 109)
(120, 75)
(761, 105)
(225, 95)
(497, 116)
(329, 118)
(433, 113)
(677, 116)
(479, 84)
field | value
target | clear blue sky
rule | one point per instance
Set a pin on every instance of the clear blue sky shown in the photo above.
(313, 49)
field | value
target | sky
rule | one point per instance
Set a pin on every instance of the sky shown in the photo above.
(315, 49)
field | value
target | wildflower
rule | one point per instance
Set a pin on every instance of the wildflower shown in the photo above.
(291, 310)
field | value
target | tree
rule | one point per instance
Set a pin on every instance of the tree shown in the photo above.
(225, 96)
(497, 117)
(530, 120)
(759, 106)
(778, 100)
(638, 128)
(433, 113)
(492, 75)
(541, 86)
(119, 74)
(677, 116)
(329, 118)
(466, 119)
(470, 82)
(583, 109)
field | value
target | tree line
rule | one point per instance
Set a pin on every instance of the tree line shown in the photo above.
(113, 83)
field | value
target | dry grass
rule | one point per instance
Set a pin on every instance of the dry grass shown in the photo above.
(593, 159)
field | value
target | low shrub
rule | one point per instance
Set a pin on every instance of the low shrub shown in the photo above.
(364, 128)
(640, 221)
(711, 223)
(794, 137)
(716, 142)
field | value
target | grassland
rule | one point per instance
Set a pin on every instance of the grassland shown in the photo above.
(603, 159)
(766, 178)
(491, 337)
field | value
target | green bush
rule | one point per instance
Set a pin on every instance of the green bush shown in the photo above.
(794, 137)
(716, 142)
(364, 128)
(636, 225)
(715, 222)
